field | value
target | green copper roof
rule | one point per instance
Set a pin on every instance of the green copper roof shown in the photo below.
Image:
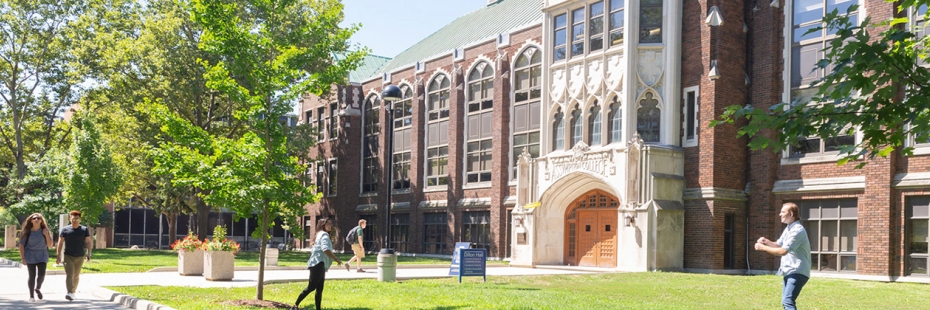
(480, 25)
(369, 66)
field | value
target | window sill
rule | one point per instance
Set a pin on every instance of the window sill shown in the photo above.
(922, 149)
(400, 191)
(438, 188)
(823, 158)
(689, 143)
(477, 185)
(371, 194)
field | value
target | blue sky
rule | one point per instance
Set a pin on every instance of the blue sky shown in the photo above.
(390, 27)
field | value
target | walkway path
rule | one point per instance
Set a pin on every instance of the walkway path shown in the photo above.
(14, 295)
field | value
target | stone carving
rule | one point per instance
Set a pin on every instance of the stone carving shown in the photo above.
(633, 175)
(615, 68)
(650, 66)
(576, 80)
(558, 85)
(581, 159)
(595, 76)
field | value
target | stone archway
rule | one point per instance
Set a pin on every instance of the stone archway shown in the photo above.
(591, 230)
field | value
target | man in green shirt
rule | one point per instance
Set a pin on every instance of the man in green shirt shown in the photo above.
(357, 246)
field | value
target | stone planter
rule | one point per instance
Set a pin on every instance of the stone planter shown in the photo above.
(190, 263)
(218, 265)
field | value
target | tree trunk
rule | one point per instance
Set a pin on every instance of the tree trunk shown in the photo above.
(203, 215)
(172, 219)
(259, 292)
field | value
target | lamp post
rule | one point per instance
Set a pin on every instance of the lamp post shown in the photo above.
(387, 261)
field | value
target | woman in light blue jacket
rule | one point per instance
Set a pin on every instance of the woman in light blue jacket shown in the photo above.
(321, 258)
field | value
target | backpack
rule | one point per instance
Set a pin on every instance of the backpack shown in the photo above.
(352, 237)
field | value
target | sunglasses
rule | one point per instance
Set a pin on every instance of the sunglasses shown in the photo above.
(37, 219)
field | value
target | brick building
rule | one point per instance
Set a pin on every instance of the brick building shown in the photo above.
(576, 133)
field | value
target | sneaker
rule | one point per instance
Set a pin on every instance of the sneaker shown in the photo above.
(360, 270)
(32, 299)
(38, 294)
(347, 266)
(69, 297)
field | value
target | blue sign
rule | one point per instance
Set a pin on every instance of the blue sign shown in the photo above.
(474, 263)
(454, 269)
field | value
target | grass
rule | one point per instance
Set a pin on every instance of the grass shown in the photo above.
(600, 291)
(124, 260)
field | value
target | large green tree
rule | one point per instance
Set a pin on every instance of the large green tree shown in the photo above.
(875, 87)
(93, 178)
(270, 53)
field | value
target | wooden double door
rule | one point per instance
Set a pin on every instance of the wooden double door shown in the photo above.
(591, 231)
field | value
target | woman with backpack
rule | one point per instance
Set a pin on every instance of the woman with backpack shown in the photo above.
(321, 257)
(34, 241)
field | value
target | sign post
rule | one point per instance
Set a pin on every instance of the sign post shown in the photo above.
(473, 263)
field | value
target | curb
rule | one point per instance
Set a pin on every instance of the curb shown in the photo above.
(126, 300)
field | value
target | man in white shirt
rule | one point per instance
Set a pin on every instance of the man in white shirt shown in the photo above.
(795, 250)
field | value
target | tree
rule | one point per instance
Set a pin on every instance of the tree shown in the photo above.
(93, 178)
(875, 86)
(270, 53)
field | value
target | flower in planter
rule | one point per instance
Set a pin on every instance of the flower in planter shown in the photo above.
(219, 242)
(188, 244)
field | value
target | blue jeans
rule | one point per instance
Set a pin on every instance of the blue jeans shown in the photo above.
(791, 289)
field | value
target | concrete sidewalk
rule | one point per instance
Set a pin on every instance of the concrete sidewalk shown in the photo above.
(91, 295)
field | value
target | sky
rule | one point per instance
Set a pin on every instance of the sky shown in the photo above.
(390, 27)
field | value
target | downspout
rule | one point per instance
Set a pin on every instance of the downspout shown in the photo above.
(747, 23)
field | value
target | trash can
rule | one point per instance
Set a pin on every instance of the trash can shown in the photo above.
(387, 267)
(271, 256)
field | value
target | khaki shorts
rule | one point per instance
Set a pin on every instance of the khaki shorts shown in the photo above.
(357, 248)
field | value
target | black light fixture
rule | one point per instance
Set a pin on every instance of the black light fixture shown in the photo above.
(390, 93)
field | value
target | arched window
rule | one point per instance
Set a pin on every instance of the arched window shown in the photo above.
(371, 128)
(479, 119)
(526, 107)
(616, 121)
(594, 125)
(558, 131)
(650, 21)
(437, 132)
(647, 119)
(403, 118)
(576, 126)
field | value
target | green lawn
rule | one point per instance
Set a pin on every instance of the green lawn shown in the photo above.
(124, 260)
(602, 291)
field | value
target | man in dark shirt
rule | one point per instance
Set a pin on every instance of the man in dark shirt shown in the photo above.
(73, 239)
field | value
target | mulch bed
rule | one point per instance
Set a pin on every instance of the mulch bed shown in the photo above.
(258, 303)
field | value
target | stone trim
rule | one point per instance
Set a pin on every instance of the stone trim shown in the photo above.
(510, 201)
(919, 179)
(369, 208)
(660, 175)
(433, 204)
(670, 205)
(400, 206)
(474, 203)
(714, 193)
(819, 185)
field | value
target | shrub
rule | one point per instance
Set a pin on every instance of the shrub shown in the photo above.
(219, 242)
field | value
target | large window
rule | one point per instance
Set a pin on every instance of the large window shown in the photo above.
(435, 230)
(477, 228)
(558, 131)
(578, 32)
(831, 228)
(918, 230)
(400, 232)
(647, 119)
(650, 21)
(806, 52)
(371, 166)
(526, 106)
(333, 120)
(616, 22)
(596, 26)
(320, 125)
(403, 118)
(692, 119)
(594, 125)
(616, 121)
(559, 33)
(320, 177)
(332, 174)
(577, 122)
(437, 132)
(480, 119)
